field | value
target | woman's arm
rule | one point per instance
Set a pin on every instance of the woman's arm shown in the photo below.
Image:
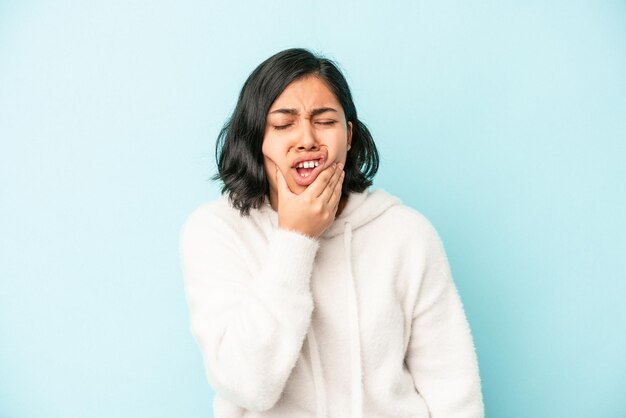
(250, 325)
(441, 355)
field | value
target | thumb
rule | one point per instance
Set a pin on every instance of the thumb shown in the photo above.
(281, 183)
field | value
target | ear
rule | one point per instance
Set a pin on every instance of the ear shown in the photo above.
(349, 135)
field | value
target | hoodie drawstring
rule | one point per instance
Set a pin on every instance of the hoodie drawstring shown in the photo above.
(355, 334)
(356, 371)
(318, 378)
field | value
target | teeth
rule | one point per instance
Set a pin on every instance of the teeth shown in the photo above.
(308, 164)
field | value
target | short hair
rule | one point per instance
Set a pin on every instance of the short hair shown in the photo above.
(238, 149)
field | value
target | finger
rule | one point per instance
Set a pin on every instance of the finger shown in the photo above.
(336, 195)
(281, 184)
(319, 184)
(330, 187)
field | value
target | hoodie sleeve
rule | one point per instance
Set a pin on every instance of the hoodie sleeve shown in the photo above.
(441, 355)
(249, 325)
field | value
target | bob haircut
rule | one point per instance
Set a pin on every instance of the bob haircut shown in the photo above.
(238, 149)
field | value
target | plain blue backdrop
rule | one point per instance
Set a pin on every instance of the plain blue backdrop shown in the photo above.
(504, 122)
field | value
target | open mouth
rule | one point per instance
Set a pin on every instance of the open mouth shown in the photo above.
(305, 168)
(305, 172)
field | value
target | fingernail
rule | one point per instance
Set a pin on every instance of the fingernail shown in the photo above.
(341, 166)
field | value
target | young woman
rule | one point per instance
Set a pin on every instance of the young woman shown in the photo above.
(309, 294)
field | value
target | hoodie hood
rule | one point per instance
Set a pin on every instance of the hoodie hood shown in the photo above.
(361, 209)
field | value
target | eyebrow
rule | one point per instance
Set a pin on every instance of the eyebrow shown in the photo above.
(295, 112)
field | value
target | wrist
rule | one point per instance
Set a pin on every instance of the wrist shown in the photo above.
(298, 228)
(299, 231)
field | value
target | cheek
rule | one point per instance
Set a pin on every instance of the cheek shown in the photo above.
(273, 154)
(338, 146)
(265, 148)
(270, 149)
(266, 152)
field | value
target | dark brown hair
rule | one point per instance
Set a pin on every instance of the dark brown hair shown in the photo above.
(238, 149)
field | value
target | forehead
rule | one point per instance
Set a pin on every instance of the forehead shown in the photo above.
(306, 93)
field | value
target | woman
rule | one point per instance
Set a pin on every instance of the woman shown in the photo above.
(309, 294)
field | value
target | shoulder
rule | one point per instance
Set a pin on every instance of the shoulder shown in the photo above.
(403, 218)
(207, 212)
(408, 229)
(211, 220)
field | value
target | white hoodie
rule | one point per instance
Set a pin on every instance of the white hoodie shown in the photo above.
(364, 321)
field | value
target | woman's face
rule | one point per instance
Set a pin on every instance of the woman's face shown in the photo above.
(305, 132)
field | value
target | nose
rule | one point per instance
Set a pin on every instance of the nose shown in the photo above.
(307, 139)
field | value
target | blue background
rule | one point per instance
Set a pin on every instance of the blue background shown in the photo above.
(504, 122)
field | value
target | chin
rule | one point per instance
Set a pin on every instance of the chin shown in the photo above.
(297, 189)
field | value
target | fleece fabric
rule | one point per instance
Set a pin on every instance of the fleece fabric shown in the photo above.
(364, 321)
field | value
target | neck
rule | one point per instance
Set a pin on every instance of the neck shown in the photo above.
(342, 204)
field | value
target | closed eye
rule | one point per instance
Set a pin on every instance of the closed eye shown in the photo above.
(279, 127)
(330, 122)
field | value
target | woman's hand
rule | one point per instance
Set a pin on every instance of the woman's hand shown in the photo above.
(314, 210)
